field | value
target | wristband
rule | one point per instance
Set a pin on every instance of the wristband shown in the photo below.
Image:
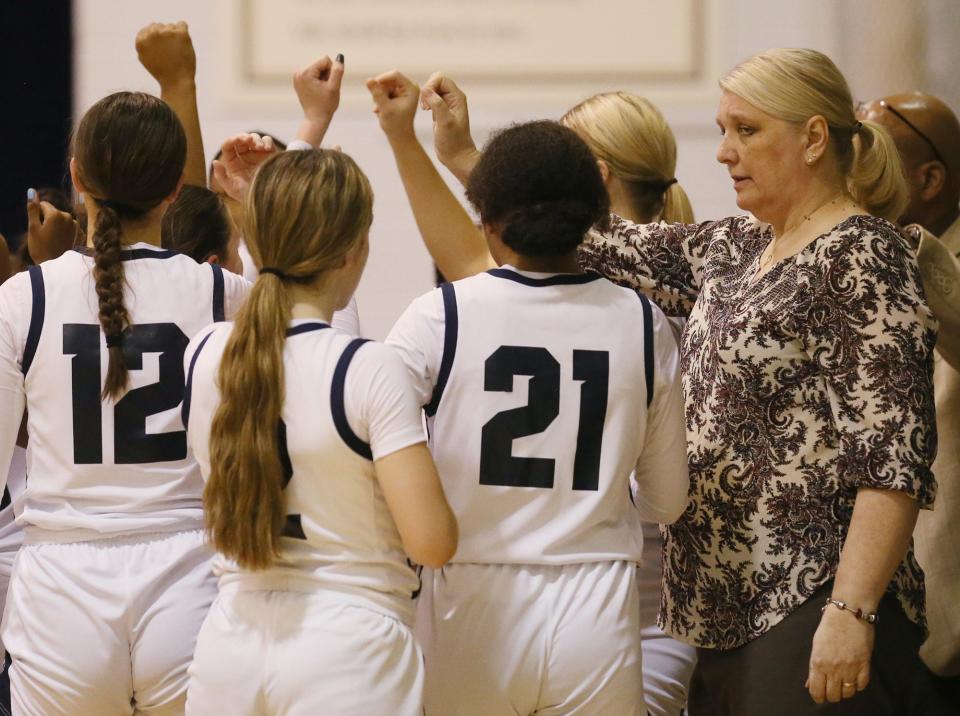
(868, 617)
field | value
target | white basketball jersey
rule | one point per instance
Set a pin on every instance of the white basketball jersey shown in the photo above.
(11, 534)
(101, 468)
(348, 402)
(543, 392)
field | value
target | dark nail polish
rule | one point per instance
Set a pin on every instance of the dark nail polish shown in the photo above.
(340, 58)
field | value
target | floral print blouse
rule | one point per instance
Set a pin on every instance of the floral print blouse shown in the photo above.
(801, 386)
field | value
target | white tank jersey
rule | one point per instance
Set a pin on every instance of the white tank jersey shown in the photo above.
(103, 468)
(348, 402)
(11, 533)
(543, 392)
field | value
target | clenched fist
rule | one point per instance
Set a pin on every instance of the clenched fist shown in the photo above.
(166, 51)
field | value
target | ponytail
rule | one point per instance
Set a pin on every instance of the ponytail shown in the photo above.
(129, 150)
(108, 277)
(876, 179)
(304, 214)
(243, 499)
(676, 206)
(630, 135)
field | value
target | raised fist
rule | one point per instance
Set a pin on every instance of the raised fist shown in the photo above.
(166, 51)
(395, 99)
(451, 124)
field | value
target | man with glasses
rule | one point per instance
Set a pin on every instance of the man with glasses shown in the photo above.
(927, 135)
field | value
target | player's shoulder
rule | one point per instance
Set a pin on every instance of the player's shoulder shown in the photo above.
(365, 360)
(16, 286)
(208, 340)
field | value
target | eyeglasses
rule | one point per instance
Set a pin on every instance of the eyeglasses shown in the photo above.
(893, 110)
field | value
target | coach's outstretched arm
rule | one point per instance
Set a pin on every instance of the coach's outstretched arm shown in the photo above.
(166, 51)
(453, 240)
(318, 90)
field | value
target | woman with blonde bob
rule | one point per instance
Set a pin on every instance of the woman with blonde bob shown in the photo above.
(319, 481)
(810, 419)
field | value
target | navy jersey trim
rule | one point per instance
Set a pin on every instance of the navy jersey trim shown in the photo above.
(647, 345)
(451, 328)
(188, 390)
(561, 279)
(306, 328)
(218, 310)
(133, 254)
(337, 407)
(37, 312)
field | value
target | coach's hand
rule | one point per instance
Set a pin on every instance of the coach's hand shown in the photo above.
(240, 157)
(318, 89)
(50, 231)
(395, 99)
(840, 657)
(454, 145)
(166, 51)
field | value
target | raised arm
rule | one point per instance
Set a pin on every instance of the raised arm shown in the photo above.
(452, 140)
(166, 51)
(665, 261)
(318, 90)
(239, 158)
(456, 244)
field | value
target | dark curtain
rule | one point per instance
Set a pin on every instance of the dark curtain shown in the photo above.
(36, 103)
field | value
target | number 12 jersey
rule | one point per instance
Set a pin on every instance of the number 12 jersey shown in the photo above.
(103, 468)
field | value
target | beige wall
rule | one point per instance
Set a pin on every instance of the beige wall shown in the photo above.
(399, 268)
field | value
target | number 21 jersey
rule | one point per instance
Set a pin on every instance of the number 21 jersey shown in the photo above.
(102, 468)
(543, 392)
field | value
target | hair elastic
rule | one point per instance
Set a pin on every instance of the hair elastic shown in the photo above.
(117, 206)
(275, 271)
(857, 127)
(669, 183)
(114, 340)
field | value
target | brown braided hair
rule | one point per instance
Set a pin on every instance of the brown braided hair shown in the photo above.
(129, 150)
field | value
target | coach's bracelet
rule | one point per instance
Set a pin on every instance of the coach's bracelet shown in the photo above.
(868, 617)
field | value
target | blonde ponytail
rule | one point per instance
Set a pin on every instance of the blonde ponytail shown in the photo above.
(676, 206)
(876, 179)
(243, 500)
(630, 135)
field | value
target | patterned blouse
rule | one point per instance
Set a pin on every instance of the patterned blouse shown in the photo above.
(802, 386)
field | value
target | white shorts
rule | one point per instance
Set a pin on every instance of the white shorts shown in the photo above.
(106, 627)
(667, 663)
(302, 654)
(531, 639)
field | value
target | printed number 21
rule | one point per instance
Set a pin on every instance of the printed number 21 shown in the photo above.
(498, 466)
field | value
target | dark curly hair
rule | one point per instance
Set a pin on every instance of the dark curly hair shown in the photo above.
(540, 186)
